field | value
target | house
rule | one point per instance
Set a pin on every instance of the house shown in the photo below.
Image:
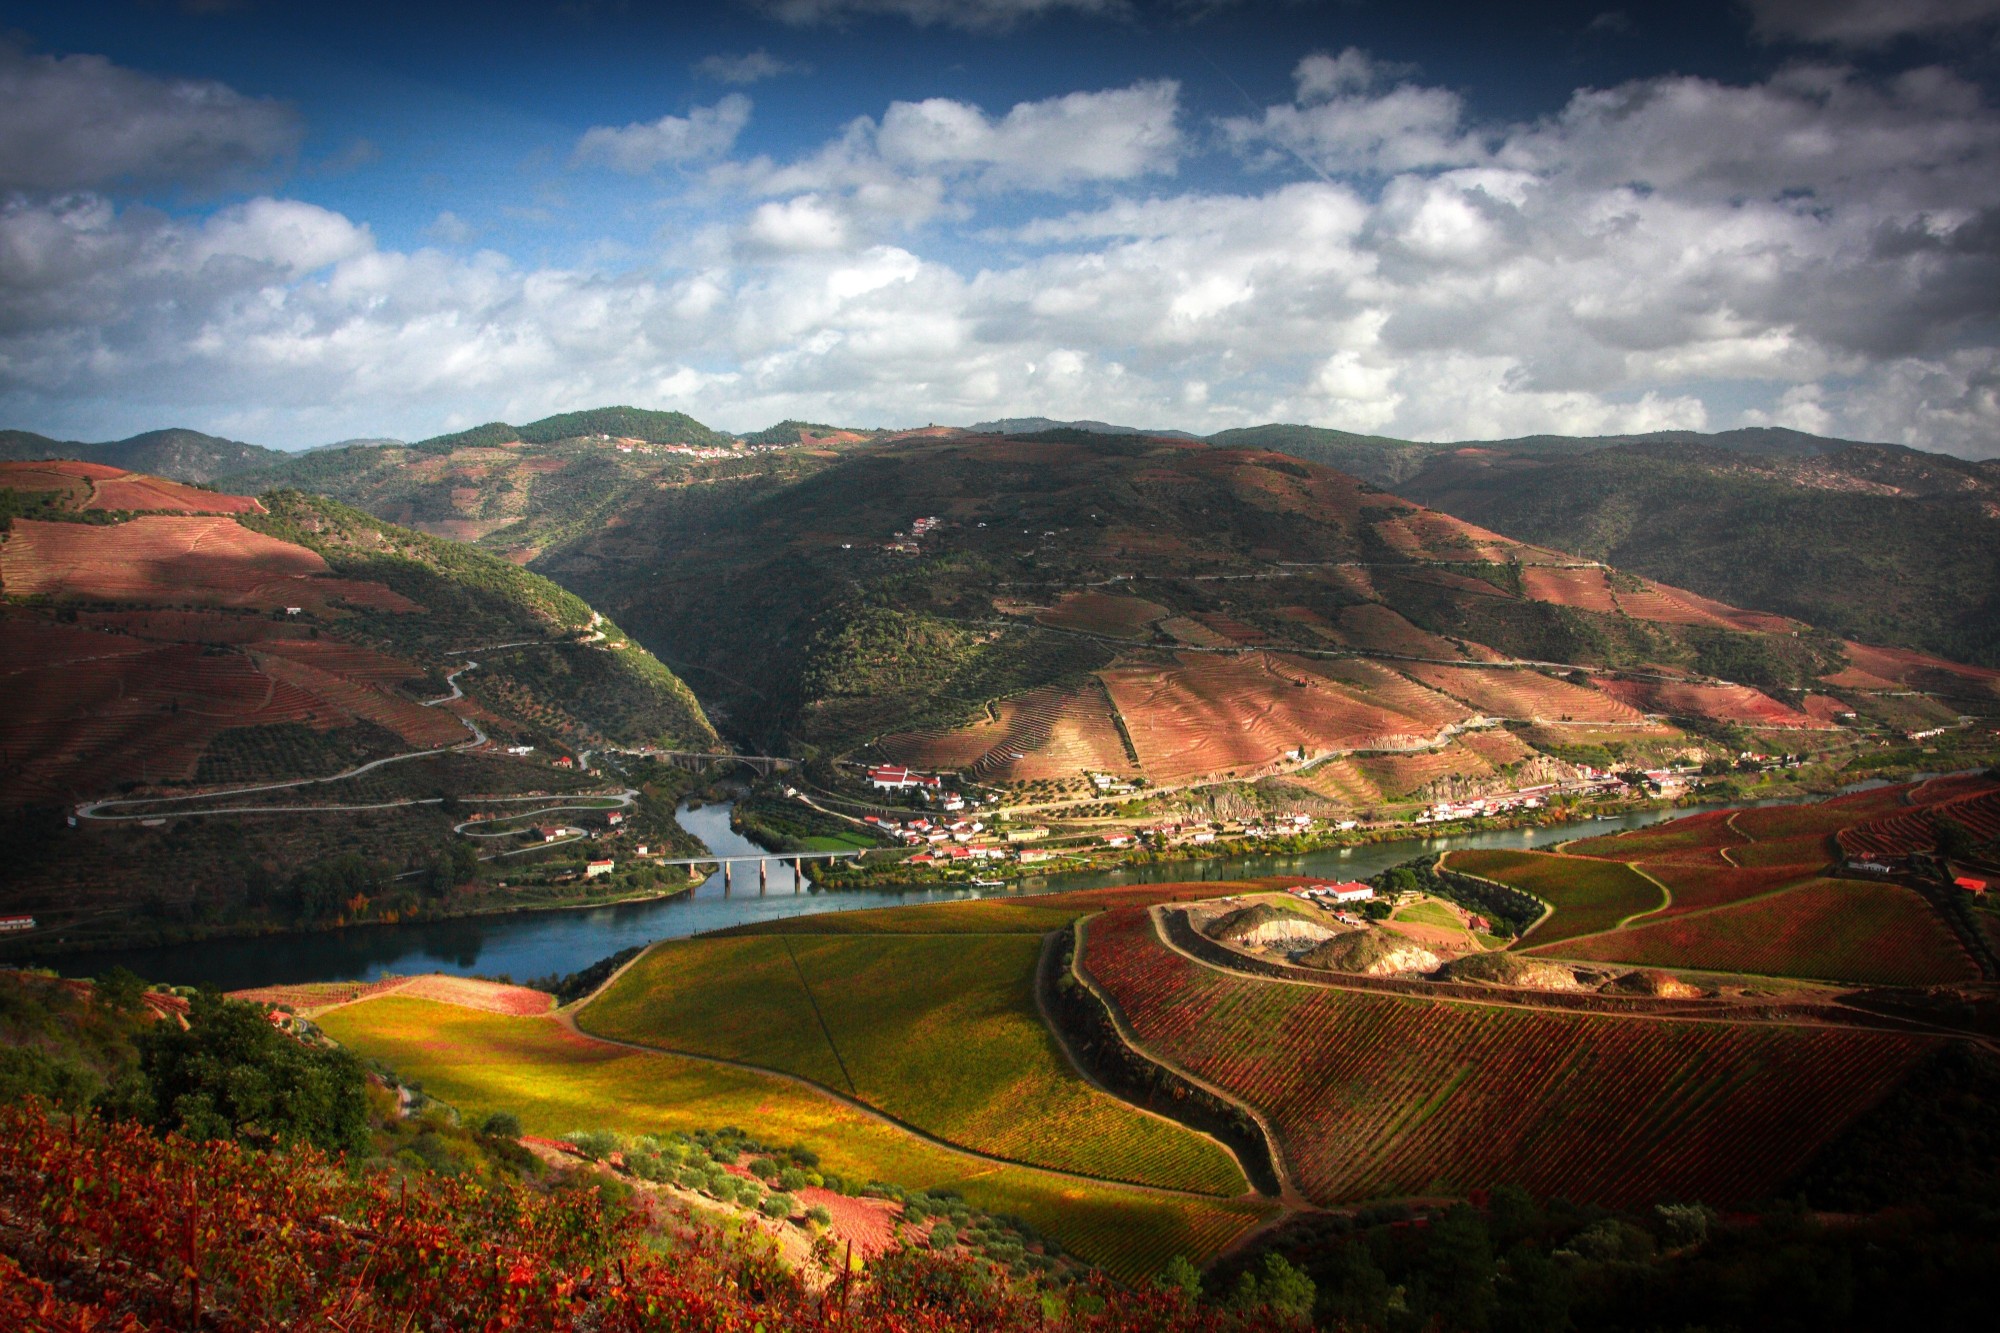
(595, 868)
(13, 923)
(923, 859)
(565, 762)
(888, 777)
(548, 832)
(1023, 834)
(1971, 885)
(1118, 840)
(614, 819)
(1032, 854)
(1346, 892)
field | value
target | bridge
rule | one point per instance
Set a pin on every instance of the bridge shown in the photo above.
(765, 764)
(763, 864)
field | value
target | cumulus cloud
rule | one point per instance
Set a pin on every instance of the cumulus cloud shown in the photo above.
(81, 122)
(1344, 120)
(750, 67)
(975, 15)
(1114, 135)
(704, 134)
(1866, 22)
(1816, 249)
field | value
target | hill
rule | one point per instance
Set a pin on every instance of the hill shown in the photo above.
(167, 646)
(516, 491)
(1027, 610)
(1868, 541)
(1037, 425)
(181, 455)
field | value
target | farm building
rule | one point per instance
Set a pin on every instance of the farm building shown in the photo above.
(888, 777)
(596, 868)
(1347, 892)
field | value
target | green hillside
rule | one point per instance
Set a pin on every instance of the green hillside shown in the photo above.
(1873, 542)
(182, 455)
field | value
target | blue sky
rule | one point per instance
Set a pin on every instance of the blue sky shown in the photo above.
(1444, 221)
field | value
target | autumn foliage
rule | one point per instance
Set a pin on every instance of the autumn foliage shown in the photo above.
(106, 1226)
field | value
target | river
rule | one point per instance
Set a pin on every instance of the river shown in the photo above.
(524, 945)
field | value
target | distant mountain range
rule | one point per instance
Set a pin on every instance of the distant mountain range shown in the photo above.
(1876, 541)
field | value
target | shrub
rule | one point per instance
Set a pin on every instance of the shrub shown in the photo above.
(819, 1215)
(596, 1144)
(501, 1125)
(776, 1205)
(763, 1168)
(943, 1237)
(791, 1178)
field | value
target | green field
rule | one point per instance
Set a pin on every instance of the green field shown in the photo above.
(557, 1081)
(940, 1031)
(1429, 913)
(1588, 896)
(1823, 930)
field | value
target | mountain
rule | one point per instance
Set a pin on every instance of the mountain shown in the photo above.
(617, 423)
(1027, 610)
(516, 491)
(1870, 541)
(181, 455)
(1038, 425)
(159, 640)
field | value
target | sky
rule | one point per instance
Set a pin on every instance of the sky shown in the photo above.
(297, 224)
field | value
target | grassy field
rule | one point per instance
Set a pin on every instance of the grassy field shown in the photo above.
(1588, 896)
(1429, 913)
(557, 1081)
(1822, 930)
(1382, 1096)
(940, 1031)
(1035, 914)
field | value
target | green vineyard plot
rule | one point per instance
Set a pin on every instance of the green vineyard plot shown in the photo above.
(558, 1081)
(1588, 895)
(941, 1032)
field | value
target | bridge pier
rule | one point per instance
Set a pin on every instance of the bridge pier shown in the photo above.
(725, 879)
(763, 875)
(798, 874)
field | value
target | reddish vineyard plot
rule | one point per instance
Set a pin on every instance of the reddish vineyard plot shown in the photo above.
(136, 492)
(1698, 887)
(1707, 831)
(1379, 1096)
(1211, 714)
(1824, 930)
(1917, 830)
(1375, 628)
(1807, 850)
(1585, 589)
(1723, 703)
(1103, 613)
(1588, 895)
(1524, 695)
(1049, 733)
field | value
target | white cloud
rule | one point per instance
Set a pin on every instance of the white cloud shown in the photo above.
(1115, 135)
(450, 228)
(704, 134)
(750, 67)
(1865, 22)
(1817, 249)
(81, 122)
(1338, 124)
(976, 15)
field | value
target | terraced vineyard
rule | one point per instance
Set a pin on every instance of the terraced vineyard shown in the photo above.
(1381, 1096)
(1588, 895)
(1821, 929)
(557, 1081)
(941, 1032)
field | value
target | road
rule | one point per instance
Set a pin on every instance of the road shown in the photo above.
(97, 809)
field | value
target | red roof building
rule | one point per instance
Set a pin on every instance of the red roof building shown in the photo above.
(1971, 885)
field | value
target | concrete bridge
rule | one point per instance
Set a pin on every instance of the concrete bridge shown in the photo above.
(697, 760)
(763, 865)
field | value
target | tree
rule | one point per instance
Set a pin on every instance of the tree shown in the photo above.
(1179, 1275)
(232, 1075)
(1276, 1287)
